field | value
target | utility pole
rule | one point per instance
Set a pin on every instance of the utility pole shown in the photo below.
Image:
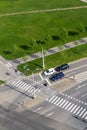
(43, 62)
(43, 58)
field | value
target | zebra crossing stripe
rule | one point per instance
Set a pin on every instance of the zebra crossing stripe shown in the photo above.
(76, 110)
(86, 117)
(70, 107)
(26, 86)
(82, 112)
(31, 90)
(29, 86)
(54, 100)
(10, 64)
(38, 90)
(65, 104)
(7, 65)
(73, 108)
(62, 103)
(59, 101)
(79, 111)
(23, 86)
(34, 91)
(20, 85)
(14, 83)
(51, 98)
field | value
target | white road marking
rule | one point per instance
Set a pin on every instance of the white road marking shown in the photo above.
(76, 110)
(38, 109)
(50, 114)
(84, 114)
(79, 111)
(70, 107)
(65, 104)
(73, 108)
(41, 76)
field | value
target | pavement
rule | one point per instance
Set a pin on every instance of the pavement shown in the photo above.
(50, 51)
(84, 1)
(64, 84)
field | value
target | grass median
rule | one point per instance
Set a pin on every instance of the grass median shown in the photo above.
(1, 82)
(54, 60)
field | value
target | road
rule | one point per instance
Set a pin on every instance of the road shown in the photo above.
(55, 107)
(27, 120)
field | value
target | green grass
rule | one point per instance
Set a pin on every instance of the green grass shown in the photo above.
(9, 6)
(20, 30)
(1, 82)
(55, 59)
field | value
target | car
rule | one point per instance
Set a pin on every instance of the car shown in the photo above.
(49, 71)
(62, 67)
(57, 76)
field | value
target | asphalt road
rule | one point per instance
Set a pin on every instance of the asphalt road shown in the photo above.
(47, 115)
(28, 120)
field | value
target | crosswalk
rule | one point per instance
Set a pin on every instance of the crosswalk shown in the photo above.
(25, 87)
(81, 77)
(77, 110)
(8, 65)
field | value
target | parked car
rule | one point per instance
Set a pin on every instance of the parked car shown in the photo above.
(62, 67)
(57, 76)
(49, 71)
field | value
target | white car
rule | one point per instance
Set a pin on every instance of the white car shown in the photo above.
(49, 72)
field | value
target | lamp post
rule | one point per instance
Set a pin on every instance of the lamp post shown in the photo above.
(43, 62)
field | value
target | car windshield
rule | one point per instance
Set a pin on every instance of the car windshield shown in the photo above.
(47, 71)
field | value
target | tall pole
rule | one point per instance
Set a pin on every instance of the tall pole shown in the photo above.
(43, 58)
(43, 62)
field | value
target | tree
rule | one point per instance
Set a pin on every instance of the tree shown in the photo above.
(64, 34)
(81, 28)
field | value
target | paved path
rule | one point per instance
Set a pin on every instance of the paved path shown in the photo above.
(41, 11)
(51, 51)
(84, 1)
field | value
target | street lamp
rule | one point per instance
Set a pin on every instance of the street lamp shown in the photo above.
(43, 62)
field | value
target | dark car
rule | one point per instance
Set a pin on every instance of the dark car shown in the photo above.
(62, 67)
(57, 76)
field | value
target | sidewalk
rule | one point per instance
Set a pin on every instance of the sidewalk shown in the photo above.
(51, 51)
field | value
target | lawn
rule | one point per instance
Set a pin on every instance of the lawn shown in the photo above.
(55, 59)
(20, 35)
(1, 82)
(9, 6)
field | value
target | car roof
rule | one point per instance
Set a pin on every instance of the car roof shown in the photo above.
(50, 69)
(64, 64)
